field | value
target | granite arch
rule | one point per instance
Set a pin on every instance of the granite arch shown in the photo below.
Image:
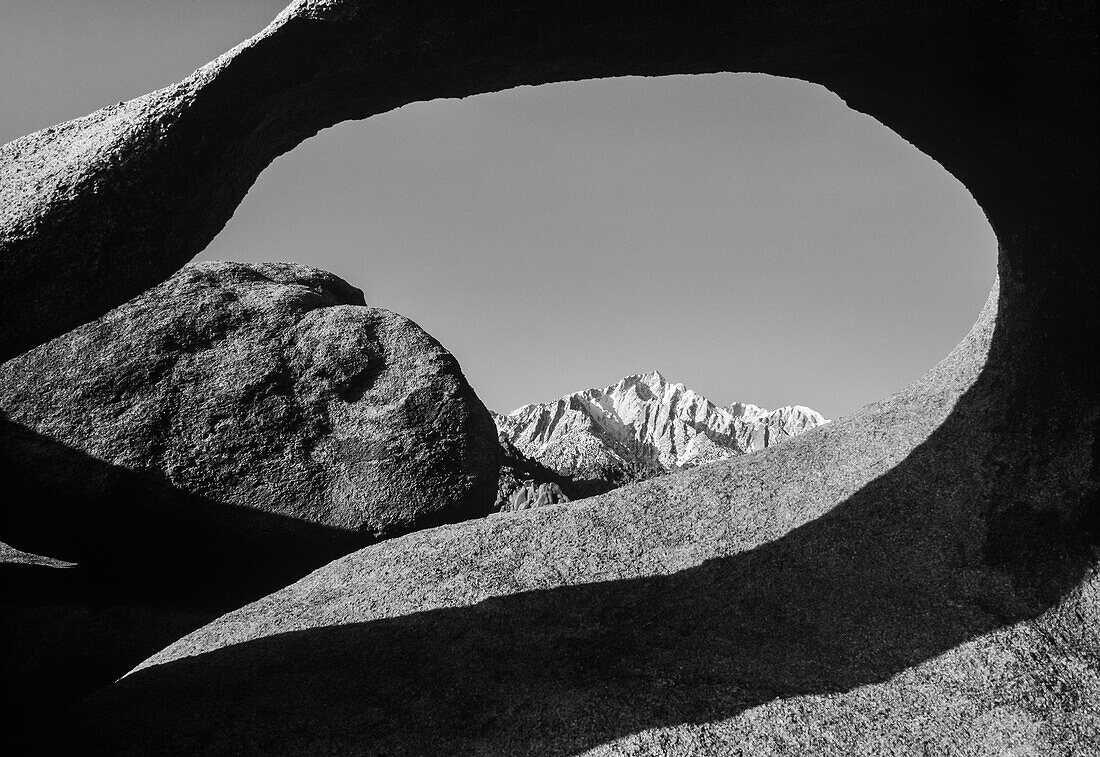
(987, 467)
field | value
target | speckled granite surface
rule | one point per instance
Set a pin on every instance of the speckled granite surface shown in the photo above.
(917, 578)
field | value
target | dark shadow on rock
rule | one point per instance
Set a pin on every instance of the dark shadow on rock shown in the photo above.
(65, 634)
(141, 535)
(937, 551)
(152, 564)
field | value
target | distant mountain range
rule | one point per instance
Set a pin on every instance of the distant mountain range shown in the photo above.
(598, 439)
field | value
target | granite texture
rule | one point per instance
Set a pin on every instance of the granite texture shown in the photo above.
(917, 578)
(240, 424)
(205, 443)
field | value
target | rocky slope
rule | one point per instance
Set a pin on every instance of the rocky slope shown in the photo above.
(643, 425)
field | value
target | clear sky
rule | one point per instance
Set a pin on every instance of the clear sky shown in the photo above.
(748, 236)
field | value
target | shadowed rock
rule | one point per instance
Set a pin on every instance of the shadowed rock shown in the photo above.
(66, 633)
(919, 577)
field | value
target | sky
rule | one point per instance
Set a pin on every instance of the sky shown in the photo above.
(746, 235)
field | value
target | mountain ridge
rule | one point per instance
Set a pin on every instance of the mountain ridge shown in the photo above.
(643, 424)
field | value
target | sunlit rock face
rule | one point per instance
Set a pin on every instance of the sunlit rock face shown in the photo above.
(644, 423)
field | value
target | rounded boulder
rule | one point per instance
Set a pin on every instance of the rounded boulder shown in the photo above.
(241, 416)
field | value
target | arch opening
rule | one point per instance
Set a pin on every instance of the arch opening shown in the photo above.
(747, 235)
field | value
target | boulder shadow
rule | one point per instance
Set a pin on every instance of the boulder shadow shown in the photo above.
(137, 533)
(152, 563)
(64, 635)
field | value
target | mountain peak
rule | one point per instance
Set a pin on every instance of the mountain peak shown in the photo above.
(645, 421)
(652, 379)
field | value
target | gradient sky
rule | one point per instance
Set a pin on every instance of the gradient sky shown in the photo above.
(746, 235)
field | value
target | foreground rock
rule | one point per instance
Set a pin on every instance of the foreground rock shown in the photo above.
(642, 426)
(859, 607)
(241, 421)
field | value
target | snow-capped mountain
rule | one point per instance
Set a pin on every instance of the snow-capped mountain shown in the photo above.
(643, 424)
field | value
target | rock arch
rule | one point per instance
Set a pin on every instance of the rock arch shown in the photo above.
(955, 519)
(100, 208)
